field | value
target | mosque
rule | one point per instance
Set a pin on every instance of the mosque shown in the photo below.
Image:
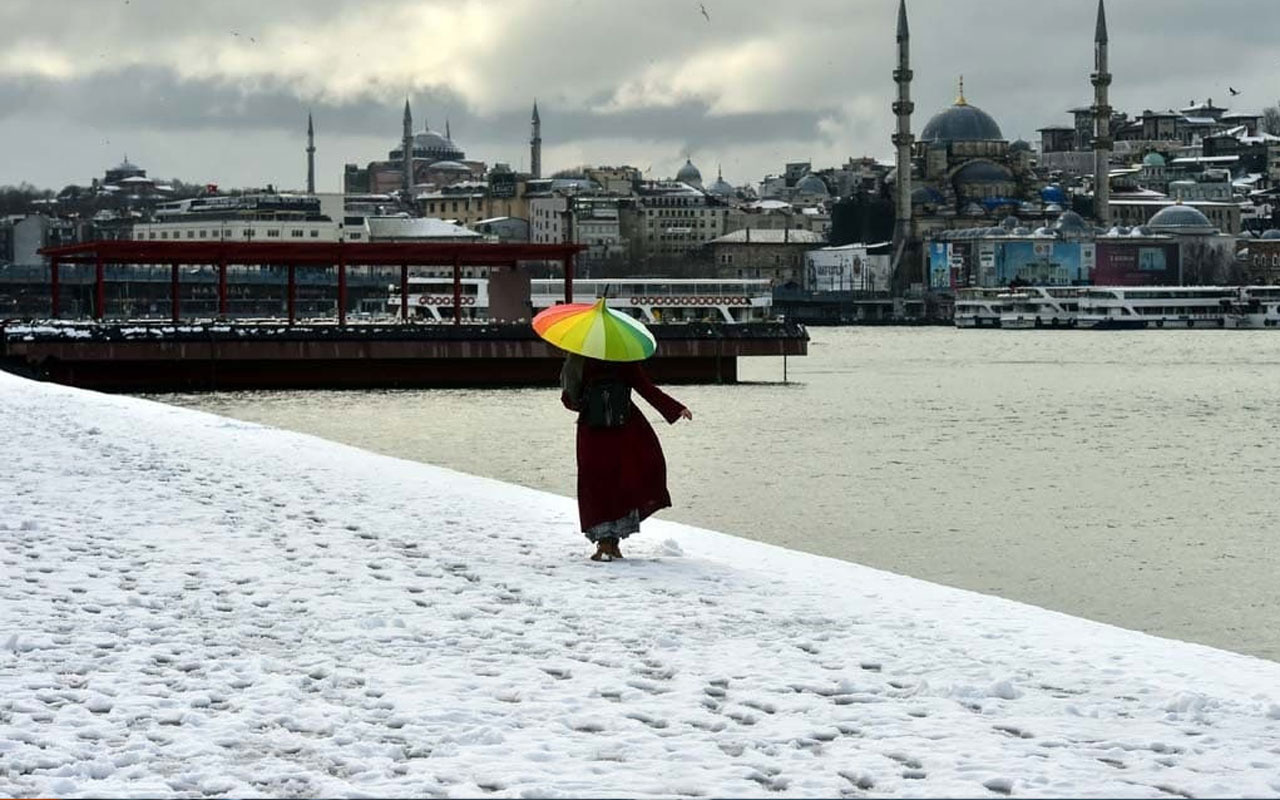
(962, 172)
(425, 158)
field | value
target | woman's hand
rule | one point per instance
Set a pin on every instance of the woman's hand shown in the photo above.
(686, 414)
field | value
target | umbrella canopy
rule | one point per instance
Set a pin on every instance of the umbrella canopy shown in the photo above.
(596, 331)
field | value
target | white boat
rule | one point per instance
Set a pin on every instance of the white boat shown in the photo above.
(978, 308)
(431, 298)
(1155, 306)
(1255, 307)
(1039, 307)
(668, 299)
(652, 300)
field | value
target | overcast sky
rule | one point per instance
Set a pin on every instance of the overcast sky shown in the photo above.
(219, 91)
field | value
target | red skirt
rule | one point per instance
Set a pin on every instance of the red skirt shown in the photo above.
(620, 470)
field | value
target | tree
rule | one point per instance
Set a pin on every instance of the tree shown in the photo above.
(1271, 119)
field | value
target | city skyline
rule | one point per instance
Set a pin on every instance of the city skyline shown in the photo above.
(222, 93)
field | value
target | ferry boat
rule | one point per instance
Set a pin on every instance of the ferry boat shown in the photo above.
(431, 299)
(978, 308)
(1155, 306)
(668, 299)
(1255, 307)
(651, 300)
(1039, 307)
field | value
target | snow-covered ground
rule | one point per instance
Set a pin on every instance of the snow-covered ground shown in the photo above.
(191, 605)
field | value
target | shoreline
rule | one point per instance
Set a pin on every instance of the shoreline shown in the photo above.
(206, 605)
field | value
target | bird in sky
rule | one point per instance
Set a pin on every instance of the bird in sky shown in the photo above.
(1233, 91)
(703, 9)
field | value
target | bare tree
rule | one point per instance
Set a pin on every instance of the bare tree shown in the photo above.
(1271, 119)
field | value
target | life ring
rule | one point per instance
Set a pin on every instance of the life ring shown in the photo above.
(1159, 323)
(422, 300)
(635, 301)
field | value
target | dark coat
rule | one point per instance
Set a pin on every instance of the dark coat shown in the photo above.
(621, 469)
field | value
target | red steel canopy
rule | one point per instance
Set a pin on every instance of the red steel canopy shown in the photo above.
(305, 254)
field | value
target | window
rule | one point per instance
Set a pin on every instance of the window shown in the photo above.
(315, 234)
(296, 233)
(355, 236)
(191, 234)
(273, 233)
(153, 235)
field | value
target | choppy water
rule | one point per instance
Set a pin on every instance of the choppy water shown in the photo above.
(1128, 477)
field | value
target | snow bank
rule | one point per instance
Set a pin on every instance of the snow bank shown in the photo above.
(192, 605)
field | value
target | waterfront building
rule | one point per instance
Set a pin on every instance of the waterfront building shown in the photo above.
(243, 218)
(1179, 245)
(776, 255)
(1261, 258)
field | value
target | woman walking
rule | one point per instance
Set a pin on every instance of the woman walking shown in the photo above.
(622, 475)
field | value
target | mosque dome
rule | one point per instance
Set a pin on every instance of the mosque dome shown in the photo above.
(722, 187)
(1020, 146)
(689, 174)
(1070, 221)
(1009, 223)
(983, 172)
(1153, 160)
(450, 166)
(961, 123)
(927, 195)
(1181, 219)
(1273, 233)
(1053, 194)
(811, 184)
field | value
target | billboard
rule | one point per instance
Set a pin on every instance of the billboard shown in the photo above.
(1122, 263)
(1043, 262)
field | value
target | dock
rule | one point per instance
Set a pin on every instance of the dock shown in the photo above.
(219, 356)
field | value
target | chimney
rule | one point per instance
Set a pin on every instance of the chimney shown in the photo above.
(748, 229)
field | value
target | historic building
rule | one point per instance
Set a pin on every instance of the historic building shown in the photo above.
(962, 170)
(428, 158)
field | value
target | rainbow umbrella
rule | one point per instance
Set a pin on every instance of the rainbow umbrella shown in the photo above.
(596, 331)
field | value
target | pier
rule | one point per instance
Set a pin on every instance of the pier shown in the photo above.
(199, 343)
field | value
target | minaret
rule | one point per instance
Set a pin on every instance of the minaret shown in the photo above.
(447, 134)
(406, 146)
(535, 145)
(1101, 123)
(903, 139)
(311, 156)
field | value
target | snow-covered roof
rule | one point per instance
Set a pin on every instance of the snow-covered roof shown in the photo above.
(770, 236)
(416, 228)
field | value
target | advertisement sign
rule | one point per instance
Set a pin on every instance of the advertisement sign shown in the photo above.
(1041, 263)
(1123, 263)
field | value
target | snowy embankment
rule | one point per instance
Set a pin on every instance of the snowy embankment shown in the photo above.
(192, 605)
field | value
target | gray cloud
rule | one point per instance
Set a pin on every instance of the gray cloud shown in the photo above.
(757, 85)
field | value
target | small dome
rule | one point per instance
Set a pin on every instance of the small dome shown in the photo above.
(1273, 233)
(689, 174)
(961, 123)
(722, 187)
(1009, 223)
(812, 184)
(1153, 160)
(449, 166)
(1181, 219)
(983, 172)
(1020, 146)
(1070, 221)
(1052, 194)
(1052, 208)
(927, 195)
